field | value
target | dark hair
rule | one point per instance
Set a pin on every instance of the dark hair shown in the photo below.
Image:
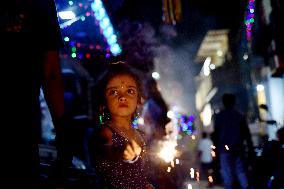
(229, 100)
(280, 135)
(204, 134)
(263, 106)
(113, 70)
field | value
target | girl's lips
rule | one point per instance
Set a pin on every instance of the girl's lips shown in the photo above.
(123, 105)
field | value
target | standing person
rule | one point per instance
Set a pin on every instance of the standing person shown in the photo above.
(30, 37)
(204, 151)
(119, 150)
(269, 124)
(230, 133)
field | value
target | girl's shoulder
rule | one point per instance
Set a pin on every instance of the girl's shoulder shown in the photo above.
(102, 134)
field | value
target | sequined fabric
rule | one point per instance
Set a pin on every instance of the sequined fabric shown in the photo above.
(119, 174)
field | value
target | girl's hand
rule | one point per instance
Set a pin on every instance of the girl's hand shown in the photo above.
(150, 186)
(131, 151)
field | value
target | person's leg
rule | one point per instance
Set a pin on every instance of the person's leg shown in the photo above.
(226, 170)
(241, 173)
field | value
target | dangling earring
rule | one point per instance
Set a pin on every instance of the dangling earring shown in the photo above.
(102, 115)
(136, 117)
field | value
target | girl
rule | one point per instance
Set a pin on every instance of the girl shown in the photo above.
(120, 153)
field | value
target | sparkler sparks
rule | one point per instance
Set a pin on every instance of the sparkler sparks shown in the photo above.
(168, 151)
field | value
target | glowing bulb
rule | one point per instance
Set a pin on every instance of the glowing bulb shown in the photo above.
(189, 186)
(259, 87)
(220, 53)
(245, 57)
(169, 169)
(191, 173)
(170, 114)
(212, 66)
(227, 147)
(156, 75)
(66, 15)
(177, 161)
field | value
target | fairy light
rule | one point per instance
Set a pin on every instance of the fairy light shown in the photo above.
(106, 26)
(169, 169)
(226, 147)
(189, 186)
(191, 173)
(177, 161)
(249, 20)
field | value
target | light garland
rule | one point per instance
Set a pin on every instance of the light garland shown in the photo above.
(102, 20)
(249, 21)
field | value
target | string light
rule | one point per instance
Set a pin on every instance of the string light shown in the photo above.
(249, 21)
(96, 9)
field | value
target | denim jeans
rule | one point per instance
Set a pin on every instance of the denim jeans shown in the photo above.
(233, 166)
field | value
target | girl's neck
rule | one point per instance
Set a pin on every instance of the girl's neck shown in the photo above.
(121, 122)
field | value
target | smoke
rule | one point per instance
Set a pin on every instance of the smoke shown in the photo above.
(150, 51)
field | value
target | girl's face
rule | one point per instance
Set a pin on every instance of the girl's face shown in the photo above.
(121, 96)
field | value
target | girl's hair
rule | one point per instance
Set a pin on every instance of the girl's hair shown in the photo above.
(113, 70)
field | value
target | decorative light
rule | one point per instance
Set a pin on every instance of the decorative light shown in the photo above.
(156, 75)
(206, 68)
(66, 15)
(259, 87)
(220, 53)
(106, 26)
(245, 57)
(170, 114)
(73, 55)
(66, 39)
(249, 21)
(70, 3)
(212, 66)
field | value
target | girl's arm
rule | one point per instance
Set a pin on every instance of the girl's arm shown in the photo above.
(104, 145)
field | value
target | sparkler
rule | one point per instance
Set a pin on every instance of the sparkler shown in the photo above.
(168, 150)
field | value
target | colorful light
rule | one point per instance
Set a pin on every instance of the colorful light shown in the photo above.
(106, 26)
(249, 22)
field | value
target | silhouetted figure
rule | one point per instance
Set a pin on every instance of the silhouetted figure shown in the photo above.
(270, 169)
(204, 151)
(30, 39)
(231, 133)
(269, 124)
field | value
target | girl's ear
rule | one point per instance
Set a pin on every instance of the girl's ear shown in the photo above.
(141, 101)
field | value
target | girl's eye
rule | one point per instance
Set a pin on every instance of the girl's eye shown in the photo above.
(131, 91)
(113, 92)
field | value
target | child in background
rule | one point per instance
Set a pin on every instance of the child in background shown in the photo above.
(119, 149)
(204, 151)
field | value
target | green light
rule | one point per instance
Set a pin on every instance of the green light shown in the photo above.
(73, 49)
(73, 55)
(66, 39)
(70, 3)
(251, 20)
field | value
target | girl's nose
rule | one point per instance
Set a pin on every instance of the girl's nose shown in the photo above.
(122, 99)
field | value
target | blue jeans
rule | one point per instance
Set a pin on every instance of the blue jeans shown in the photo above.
(231, 166)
